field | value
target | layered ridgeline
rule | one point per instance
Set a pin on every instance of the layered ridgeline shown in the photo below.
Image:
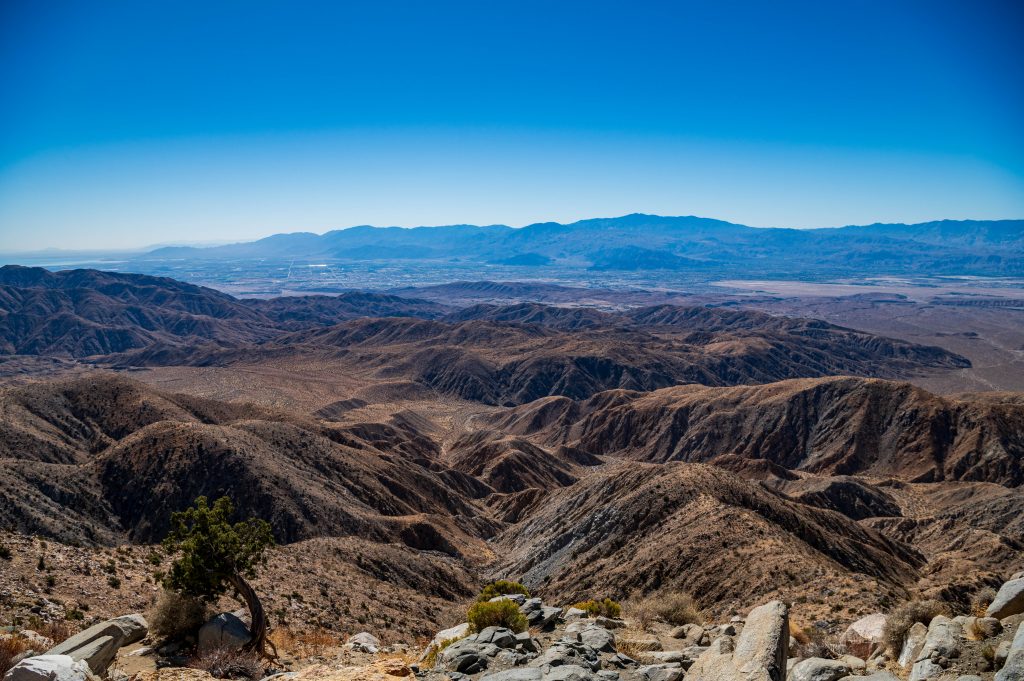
(493, 354)
(553, 491)
(656, 447)
(652, 242)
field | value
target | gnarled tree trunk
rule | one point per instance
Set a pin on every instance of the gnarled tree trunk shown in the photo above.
(258, 628)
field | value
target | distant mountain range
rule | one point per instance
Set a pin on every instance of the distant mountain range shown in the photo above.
(651, 242)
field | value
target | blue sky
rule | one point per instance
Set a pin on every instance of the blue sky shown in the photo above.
(133, 123)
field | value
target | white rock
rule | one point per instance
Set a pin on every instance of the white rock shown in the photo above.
(50, 668)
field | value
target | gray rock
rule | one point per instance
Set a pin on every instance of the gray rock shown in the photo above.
(518, 599)
(912, 644)
(609, 622)
(98, 645)
(1009, 600)
(987, 627)
(661, 656)
(1013, 668)
(758, 654)
(521, 674)
(598, 638)
(563, 653)
(877, 676)
(574, 614)
(363, 642)
(863, 636)
(225, 630)
(498, 636)
(819, 669)
(1002, 652)
(50, 668)
(940, 645)
(526, 643)
(622, 661)
(608, 675)
(660, 672)
(466, 656)
(569, 672)
(968, 677)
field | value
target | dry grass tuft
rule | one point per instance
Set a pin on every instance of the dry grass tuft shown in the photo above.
(10, 647)
(904, 617)
(175, 616)
(672, 607)
(227, 663)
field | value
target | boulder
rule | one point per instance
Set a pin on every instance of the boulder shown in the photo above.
(1009, 600)
(819, 669)
(521, 674)
(912, 644)
(569, 672)
(457, 632)
(864, 635)
(562, 653)
(941, 645)
(50, 668)
(987, 627)
(591, 634)
(498, 636)
(98, 645)
(1013, 668)
(467, 656)
(225, 630)
(660, 672)
(758, 654)
(877, 676)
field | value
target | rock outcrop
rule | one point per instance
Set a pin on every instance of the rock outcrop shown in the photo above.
(98, 645)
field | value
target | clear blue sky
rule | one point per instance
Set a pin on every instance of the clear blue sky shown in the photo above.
(125, 123)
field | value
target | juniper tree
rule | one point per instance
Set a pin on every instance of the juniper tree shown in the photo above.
(213, 555)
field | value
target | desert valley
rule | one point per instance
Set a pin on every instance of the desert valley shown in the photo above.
(408, 446)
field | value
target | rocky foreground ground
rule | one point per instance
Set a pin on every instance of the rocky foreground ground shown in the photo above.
(559, 644)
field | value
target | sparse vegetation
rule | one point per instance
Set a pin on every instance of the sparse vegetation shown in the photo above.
(5, 552)
(606, 607)
(484, 614)
(11, 647)
(214, 555)
(227, 663)
(431, 658)
(176, 615)
(904, 617)
(502, 587)
(114, 582)
(672, 607)
(981, 600)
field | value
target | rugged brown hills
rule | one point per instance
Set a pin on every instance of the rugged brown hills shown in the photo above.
(636, 528)
(835, 426)
(82, 313)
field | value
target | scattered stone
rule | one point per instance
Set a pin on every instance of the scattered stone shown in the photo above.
(940, 646)
(1013, 668)
(50, 668)
(759, 653)
(1009, 600)
(225, 630)
(363, 642)
(660, 672)
(912, 644)
(864, 635)
(819, 669)
(98, 645)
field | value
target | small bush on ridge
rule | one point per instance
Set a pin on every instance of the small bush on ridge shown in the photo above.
(502, 587)
(904, 617)
(175, 616)
(228, 663)
(606, 607)
(498, 614)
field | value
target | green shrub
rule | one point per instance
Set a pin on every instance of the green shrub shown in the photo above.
(5, 552)
(606, 607)
(902, 618)
(114, 582)
(502, 587)
(498, 614)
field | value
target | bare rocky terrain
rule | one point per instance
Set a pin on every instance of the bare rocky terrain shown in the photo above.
(406, 450)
